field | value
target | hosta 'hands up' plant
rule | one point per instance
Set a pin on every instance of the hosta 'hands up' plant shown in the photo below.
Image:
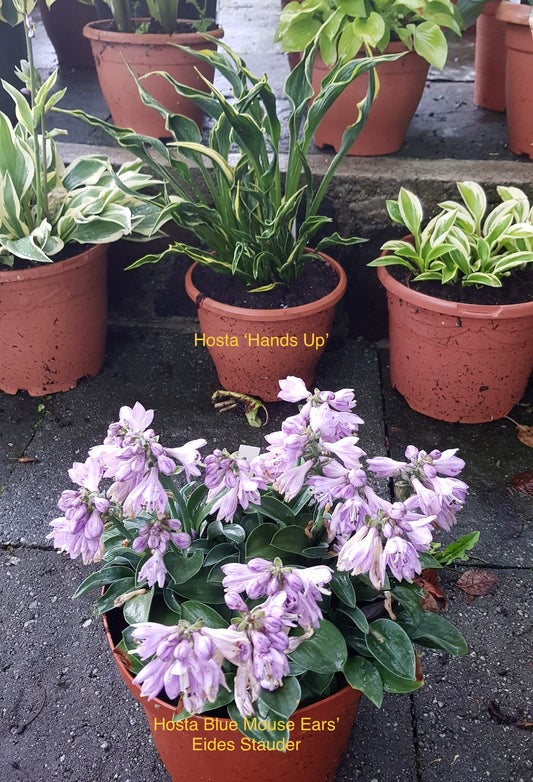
(343, 27)
(266, 584)
(45, 206)
(463, 242)
(253, 220)
(164, 12)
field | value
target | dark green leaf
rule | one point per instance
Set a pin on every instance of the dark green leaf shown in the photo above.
(193, 611)
(357, 617)
(410, 600)
(393, 683)
(258, 542)
(341, 585)
(105, 576)
(436, 632)
(115, 590)
(311, 652)
(292, 539)
(138, 608)
(390, 645)
(283, 701)
(362, 674)
(183, 568)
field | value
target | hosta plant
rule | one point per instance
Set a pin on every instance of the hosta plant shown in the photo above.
(465, 242)
(44, 205)
(343, 27)
(250, 217)
(262, 585)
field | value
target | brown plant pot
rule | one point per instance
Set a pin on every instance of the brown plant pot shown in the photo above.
(490, 56)
(401, 86)
(64, 22)
(53, 321)
(269, 344)
(114, 51)
(467, 363)
(518, 78)
(313, 757)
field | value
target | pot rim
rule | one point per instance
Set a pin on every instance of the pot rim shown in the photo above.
(280, 314)
(514, 13)
(56, 267)
(454, 308)
(98, 31)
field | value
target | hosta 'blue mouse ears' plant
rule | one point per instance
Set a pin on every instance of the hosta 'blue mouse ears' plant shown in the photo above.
(265, 584)
(252, 219)
(463, 242)
(46, 206)
(343, 27)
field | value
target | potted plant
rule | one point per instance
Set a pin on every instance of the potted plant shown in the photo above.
(344, 28)
(460, 350)
(266, 594)
(265, 303)
(55, 225)
(64, 21)
(518, 18)
(126, 44)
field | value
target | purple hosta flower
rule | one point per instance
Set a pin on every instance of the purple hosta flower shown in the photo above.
(342, 400)
(231, 482)
(79, 531)
(148, 494)
(293, 390)
(153, 570)
(384, 467)
(346, 450)
(442, 497)
(157, 533)
(332, 425)
(336, 482)
(345, 519)
(362, 554)
(289, 482)
(401, 518)
(188, 456)
(401, 557)
(185, 661)
(303, 587)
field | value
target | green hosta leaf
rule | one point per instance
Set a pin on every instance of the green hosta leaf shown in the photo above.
(349, 43)
(183, 568)
(283, 701)
(273, 509)
(371, 29)
(310, 654)
(430, 43)
(258, 542)
(390, 645)
(22, 107)
(138, 608)
(458, 549)
(317, 683)
(220, 552)
(428, 561)
(357, 617)
(481, 278)
(410, 600)
(114, 591)
(362, 674)
(107, 575)
(393, 683)
(198, 588)
(341, 585)
(436, 632)
(292, 539)
(410, 210)
(475, 199)
(352, 7)
(193, 611)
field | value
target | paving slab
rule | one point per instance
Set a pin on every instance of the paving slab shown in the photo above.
(493, 455)
(464, 714)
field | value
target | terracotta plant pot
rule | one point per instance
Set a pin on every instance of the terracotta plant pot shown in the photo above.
(222, 754)
(490, 55)
(466, 363)
(268, 345)
(53, 321)
(64, 22)
(518, 80)
(145, 53)
(401, 86)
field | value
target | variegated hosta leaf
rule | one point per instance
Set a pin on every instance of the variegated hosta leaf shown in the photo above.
(38, 246)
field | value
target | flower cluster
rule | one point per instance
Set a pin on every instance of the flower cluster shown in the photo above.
(246, 561)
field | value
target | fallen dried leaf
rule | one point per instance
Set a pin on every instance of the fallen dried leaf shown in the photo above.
(525, 433)
(477, 582)
(522, 482)
(23, 459)
(508, 719)
(429, 580)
